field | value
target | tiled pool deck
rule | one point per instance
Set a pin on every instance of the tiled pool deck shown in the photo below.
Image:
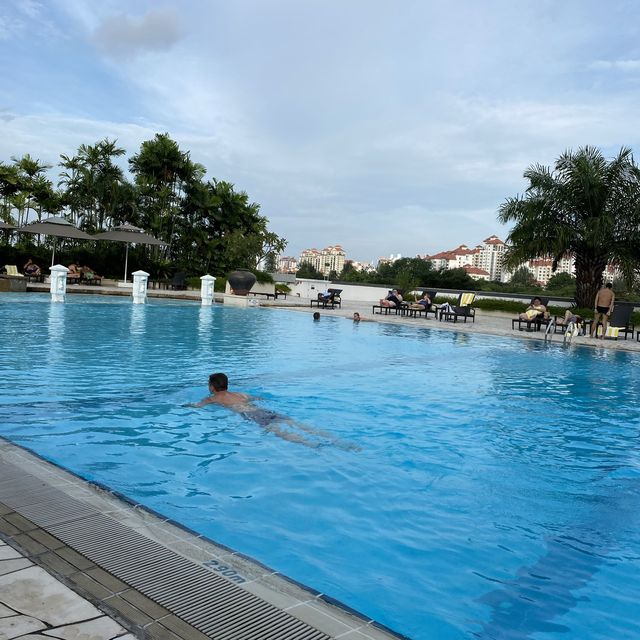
(77, 561)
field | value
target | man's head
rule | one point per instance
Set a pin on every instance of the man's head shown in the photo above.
(218, 382)
(316, 315)
(356, 317)
(609, 285)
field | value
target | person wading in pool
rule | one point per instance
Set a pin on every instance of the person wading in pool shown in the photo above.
(268, 420)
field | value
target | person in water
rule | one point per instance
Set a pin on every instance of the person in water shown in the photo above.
(269, 420)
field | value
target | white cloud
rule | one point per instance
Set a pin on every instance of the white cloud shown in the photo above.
(123, 36)
(618, 65)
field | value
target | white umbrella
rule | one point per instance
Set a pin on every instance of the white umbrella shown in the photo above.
(131, 235)
(56, 227)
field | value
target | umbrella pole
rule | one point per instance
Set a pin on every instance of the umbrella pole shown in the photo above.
(126, 262)
(53, 253)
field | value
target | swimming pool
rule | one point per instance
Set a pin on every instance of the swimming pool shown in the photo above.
(495, 494)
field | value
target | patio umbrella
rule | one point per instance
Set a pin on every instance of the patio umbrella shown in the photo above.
(131, 235)
(6, 227)
(56, 227)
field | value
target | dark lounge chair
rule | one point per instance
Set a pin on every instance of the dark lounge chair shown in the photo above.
(462, 310)
(328, 300)
(619, 322)
(179, 281)
(536, 322)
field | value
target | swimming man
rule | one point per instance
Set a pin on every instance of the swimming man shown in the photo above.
(270, 420)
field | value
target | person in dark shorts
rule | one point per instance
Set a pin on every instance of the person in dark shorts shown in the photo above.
(603, 306)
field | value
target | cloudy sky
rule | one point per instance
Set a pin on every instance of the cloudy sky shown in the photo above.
(382, 126)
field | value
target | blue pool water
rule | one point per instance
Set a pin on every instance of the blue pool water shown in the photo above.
(496, 492)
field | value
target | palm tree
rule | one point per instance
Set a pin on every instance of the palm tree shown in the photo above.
(29, 171)
(587, 206)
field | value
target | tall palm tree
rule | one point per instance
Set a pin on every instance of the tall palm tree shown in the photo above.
(587, 206)
(29, 171)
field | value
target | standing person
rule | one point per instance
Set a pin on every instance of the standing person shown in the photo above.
(603, 306)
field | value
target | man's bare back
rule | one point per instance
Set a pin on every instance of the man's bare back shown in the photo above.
(605, 298)
(226, 399)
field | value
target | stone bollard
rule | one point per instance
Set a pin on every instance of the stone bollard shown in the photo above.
(206, 290)
(139, 290)
(58, 286)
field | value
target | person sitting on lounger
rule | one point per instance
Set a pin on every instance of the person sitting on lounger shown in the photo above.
(535, 311)
(423, 303)
(31, 268)
(89, 274)
(74, 273)
(394, 299)
(572, 318)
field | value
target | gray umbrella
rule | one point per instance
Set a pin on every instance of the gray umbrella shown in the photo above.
(6, 227)
(131, 235)
(56, 227)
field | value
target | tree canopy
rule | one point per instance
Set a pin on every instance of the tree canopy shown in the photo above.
(587, 206)
(208, 226)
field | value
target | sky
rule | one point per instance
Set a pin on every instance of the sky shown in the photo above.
(385, 127)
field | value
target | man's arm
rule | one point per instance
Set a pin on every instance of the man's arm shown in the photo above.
(202, 403)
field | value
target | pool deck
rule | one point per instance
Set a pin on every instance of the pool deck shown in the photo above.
(78, 561)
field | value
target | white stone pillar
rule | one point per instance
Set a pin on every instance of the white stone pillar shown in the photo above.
(206, 290)
(139, 290)
(58, 286)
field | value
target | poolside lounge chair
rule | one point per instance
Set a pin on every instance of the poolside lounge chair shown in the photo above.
(179, 281)
(536, 322)
(328, 300)
(12, 270)
(619, 322)
(461, 310)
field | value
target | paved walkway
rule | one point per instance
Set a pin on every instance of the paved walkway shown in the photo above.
(33, 605)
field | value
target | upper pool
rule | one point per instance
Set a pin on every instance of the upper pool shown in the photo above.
(496, 492)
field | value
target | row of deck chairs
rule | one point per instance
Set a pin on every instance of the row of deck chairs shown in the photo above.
(463, 309)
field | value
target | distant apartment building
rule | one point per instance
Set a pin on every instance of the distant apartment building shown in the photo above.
(324, 260)
(542, 268)
(477, 273)
(361, 266)
(287, 264)
(482, 262)
(490, 257)
(390, 260)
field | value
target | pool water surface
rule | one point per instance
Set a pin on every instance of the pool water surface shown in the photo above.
(463, 486)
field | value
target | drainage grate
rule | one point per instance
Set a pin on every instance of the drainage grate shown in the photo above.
(210, 603)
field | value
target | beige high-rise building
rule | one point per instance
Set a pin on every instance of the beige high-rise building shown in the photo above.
(326, 260)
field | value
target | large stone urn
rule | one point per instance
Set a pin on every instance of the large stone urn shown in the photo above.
(241, 281)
